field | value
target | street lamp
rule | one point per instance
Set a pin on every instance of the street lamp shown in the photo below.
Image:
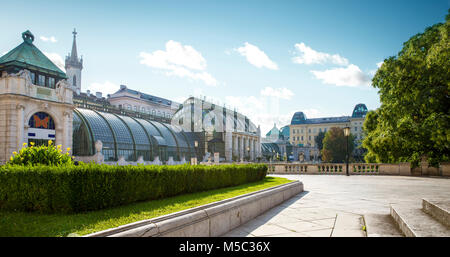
(248, 152)
(347, 134)
(196, 150)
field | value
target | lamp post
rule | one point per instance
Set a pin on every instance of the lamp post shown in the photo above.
(347, 134)
(248, 152)
(196, 150)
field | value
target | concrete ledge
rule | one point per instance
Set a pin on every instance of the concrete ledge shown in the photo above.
(414, 222)
(438, 209)
(402, 225)
(213, 219)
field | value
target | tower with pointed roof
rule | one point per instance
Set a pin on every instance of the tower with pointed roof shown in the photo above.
(74, 65)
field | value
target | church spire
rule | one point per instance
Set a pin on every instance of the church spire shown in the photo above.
(74, 65)
(72, 59)
(73, 55)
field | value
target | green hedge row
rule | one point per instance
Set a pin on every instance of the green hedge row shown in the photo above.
(90, 187)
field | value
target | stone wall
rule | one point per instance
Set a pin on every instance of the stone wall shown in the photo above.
(19, 100)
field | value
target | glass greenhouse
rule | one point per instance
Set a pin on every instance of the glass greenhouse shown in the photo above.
(129, 137)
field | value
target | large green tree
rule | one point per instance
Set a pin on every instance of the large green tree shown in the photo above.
(413, 119)
(335, 146)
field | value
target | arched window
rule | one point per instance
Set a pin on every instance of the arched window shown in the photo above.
(41, 120)
(42, 128)
(74, 81)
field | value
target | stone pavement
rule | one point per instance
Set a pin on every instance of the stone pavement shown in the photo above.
(334, 205)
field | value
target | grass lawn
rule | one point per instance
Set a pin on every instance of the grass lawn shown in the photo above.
(24, 224)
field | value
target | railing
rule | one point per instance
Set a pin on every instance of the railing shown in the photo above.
(341, 168)
(365, 168)
(330, 168)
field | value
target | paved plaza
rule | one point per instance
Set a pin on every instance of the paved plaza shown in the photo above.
(334, 205)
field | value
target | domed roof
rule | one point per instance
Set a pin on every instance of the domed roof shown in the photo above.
(285, 132)
(274, 132)
(298, 118)
(359, 111)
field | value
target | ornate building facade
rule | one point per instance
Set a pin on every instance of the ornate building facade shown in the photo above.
(35, 100)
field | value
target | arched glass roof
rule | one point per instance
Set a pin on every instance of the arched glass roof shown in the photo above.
(130, 137)
(98, 127)
(270, 148)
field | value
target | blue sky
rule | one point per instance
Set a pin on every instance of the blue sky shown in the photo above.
(268, 59)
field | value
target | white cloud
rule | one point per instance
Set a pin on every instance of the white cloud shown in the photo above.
(282, 93)
(379, 64)
(56, 59)
(49, 39)
(263, 109)
(312, 113)
(106, 88)
(349, 76)
(179, 60)
(256, 57)
(310, 56)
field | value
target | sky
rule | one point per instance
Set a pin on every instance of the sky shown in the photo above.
(266, 59)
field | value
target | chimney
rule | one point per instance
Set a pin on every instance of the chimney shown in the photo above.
(98, 94)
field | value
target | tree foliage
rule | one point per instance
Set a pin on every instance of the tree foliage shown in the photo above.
(335, 146)
(319, 140)
(413, 119)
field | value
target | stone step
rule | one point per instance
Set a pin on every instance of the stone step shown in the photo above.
(413, 222)
(348, 225)
(438, 209)
(381, 225)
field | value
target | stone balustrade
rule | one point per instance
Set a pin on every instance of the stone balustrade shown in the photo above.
(402, 169)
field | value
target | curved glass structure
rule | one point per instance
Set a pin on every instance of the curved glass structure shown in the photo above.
(128, 137)
(270, 149)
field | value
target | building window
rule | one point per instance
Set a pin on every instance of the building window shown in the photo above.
(302, 138)
(33, 77)
(51, 82)
(74, 81)
(41, 80)
(302, 131)
(129, 107)
(135, 108)
(309, 138)
(356, 128)
(309, 130)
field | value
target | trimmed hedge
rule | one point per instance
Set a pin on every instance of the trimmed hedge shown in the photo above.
(89, 187)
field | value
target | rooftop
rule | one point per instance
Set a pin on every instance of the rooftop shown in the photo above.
(28, 56)
(144, 96)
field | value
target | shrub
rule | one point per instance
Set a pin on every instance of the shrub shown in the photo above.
(47, 155)
(90, 187)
